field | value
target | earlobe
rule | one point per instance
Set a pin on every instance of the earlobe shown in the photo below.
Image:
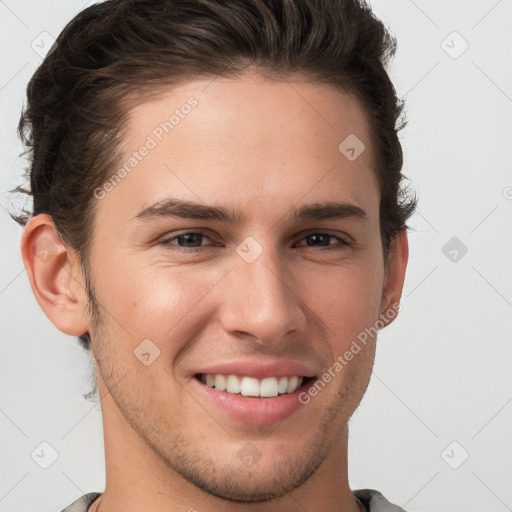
(55, 276)
(394, 277)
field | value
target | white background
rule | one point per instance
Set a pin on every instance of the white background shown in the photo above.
(443, 369)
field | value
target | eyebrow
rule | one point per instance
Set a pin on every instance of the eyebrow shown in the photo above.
(172, 207)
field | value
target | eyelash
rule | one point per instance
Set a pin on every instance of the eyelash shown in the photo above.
(167, 242)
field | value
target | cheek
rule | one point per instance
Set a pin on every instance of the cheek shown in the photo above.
(346, 301)
(158, 301)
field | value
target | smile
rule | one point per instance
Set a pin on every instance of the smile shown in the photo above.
(251, 386)
(251, 400)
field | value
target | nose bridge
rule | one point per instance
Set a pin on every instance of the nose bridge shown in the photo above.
(260, 301)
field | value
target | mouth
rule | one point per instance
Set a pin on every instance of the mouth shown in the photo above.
(248, 386)
(252, 400)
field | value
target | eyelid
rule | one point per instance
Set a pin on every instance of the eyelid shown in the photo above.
(334, 234)
(341, 241)
(166, 241)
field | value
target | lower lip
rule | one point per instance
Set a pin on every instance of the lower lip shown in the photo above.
(260, 411)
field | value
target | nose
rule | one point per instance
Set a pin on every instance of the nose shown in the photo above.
(261, 300)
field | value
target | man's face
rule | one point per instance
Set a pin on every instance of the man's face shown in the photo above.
(267, 294)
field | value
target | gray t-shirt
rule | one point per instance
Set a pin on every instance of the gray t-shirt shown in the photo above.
(372, 500)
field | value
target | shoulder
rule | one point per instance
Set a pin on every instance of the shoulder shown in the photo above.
(374, 501)
(82, 503)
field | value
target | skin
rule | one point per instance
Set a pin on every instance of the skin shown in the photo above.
(260, 148)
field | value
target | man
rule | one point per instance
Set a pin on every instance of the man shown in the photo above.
(218, 217)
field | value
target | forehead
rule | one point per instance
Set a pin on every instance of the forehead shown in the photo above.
(245, 142)
(268, 111)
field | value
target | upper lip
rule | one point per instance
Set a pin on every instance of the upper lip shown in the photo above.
(259, 369)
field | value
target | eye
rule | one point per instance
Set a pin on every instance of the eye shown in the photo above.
(322, 241)
(191, 241)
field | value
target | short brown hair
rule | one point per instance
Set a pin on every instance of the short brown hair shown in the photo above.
(118, 52)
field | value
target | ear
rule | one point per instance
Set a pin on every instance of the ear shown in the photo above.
(394, 277)
(55, 276)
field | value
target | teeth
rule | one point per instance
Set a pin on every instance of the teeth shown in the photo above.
(250, 386)
(282, 386)
(233, 384)
(269, 387)
(220, 382)
(292, 384)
